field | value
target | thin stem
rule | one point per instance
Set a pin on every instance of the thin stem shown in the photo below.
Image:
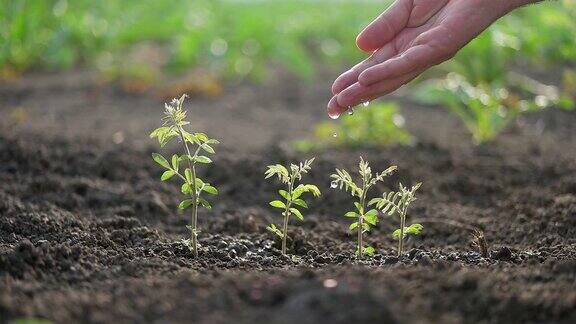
(287, 215)
(401, 237)
(361, 220)
(194, 220)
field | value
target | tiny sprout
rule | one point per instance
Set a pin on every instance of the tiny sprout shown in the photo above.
(398, 202)
(364, 218)
(291, 195)
(193, 145)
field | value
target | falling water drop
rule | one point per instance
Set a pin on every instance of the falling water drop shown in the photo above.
(333, 184)
(334, 135)
(333, 115)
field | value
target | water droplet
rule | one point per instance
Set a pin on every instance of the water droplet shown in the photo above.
(334, 135)
(398, 120)
(365, 104)
(330, 283)
(351, 111)
(333, 184)
(333, 115)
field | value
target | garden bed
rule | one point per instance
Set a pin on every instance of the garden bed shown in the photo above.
(88, 233)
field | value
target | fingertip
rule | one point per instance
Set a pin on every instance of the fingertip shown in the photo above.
(333, 109)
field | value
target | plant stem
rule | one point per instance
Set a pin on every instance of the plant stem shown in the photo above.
(401, 237)
(287, 216)
(194, 220)
(361, 222)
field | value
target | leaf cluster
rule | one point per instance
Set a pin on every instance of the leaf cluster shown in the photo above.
(198, 146)
(291, 197)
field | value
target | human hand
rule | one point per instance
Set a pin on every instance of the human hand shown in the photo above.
(407, 39)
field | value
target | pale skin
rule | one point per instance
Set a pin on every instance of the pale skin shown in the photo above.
(407, 39)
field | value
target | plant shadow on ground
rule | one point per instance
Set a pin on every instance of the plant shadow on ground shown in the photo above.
(87, 234)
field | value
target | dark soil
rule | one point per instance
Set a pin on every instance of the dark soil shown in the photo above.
(89, 234)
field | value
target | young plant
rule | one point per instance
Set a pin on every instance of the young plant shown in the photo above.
(291, 195)
(398, 202)
(364, 218)
(193, 144)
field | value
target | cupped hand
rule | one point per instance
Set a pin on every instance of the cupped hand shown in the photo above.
(410, 37)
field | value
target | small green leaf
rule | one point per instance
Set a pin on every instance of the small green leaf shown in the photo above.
(207, 148)
(185, 203)
(297, 213)
(374, 201)
(272, 228)
(351, 214)
(371, 219)
(300, 202)
(211, 190)
(161, 160)
(188, 175)
(371, 212)
(359, 207)
(204, 203)
(284, 194)
(277, 204)
(175, 163)
(212, 141)
(368, 250)
(353, 226)
(167, 175)
(186, 188)
(202, 159)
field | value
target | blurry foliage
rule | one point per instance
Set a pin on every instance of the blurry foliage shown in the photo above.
(241, 38)
(485, 109)
(379, 125)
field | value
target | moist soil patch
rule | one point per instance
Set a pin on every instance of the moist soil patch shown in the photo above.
(89, 234)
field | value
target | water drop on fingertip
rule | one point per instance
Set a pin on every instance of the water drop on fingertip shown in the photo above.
(365, 104)
(351, 111)
(333, 115)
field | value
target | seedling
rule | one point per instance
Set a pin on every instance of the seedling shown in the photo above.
(398, 202)
(193, 144)
(291, 195)
(364, 218)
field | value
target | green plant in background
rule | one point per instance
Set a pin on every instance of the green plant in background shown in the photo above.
(292, 194)
(364, 218)
(193, 145)
(378, 125)
(484, 109)
(398, 202)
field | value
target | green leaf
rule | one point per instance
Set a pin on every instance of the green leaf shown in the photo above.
(188, 175)
(278, 204)
(371, 212)
(204, 203)
(202, 159)
(175, 163)
(185, 203)
(272, 228)
(359, 207)
(353, 226)
(374, 201)
(211, 190)
(414, 229)
(284, 194)
(351, 214)
(161, 160)
(371, 219)
(368, 250)
(212, 141)
(300, 202)
(186, 188)
(297, 213)
(207, 148)
(167, 175)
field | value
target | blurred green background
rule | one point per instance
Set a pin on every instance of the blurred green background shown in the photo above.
(523, 63)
